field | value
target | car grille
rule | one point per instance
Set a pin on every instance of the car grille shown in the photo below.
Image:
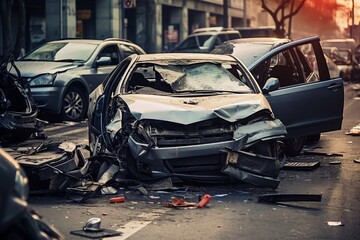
(165, 134)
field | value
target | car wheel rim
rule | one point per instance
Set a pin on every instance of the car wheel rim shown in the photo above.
(73, 105)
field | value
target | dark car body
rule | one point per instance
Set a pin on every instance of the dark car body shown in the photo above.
(17, 220)
(302, 100)
(62, 73)
(18, 113)
(177, 115)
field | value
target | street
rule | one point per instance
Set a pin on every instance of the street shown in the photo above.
(234, 210)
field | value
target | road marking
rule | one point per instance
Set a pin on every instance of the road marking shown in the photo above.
(132, 227)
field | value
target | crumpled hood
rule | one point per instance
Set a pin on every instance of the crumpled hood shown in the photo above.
(188, 110)
(34, 68)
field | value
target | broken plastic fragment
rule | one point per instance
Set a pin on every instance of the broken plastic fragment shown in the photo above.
(331, 223)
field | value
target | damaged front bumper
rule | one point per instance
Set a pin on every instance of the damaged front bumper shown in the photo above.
(202, 161)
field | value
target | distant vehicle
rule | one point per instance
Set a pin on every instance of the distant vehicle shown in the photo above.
(349, 68)
(62, 73)
(343, 64)
(303, 92)
(254, 32)
(204, 40)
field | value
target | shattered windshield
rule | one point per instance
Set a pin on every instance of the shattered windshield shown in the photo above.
(62, 51)
(198, 77)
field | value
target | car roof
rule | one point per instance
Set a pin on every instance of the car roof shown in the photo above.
(262, 40)
(93, 41)
(185, 56)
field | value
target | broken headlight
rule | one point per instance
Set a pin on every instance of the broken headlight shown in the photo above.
(43, 80)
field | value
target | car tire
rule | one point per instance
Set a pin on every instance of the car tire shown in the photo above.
(293, 146)
(74, 105)
(313, 138)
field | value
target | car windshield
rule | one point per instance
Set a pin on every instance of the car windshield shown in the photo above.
(190, 78)
(62, 51)
(197, 42)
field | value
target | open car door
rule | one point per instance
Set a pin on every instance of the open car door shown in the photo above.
(308, 101)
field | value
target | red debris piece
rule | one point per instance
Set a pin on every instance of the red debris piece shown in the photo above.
(204, 201)
(178, 202)
(117, 200)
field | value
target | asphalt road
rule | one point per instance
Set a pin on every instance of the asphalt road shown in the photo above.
(234, 211)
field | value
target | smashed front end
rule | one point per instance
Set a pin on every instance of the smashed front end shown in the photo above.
(17, 109)
(184, 118)
(180, 145)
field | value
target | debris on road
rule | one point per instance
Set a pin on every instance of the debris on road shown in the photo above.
(177, 202)
(117, 200)
(355, 131)
(204, 201)
(301, 166)
(335, 224)
(281, 197)
(323, 154)
(335, 162)
(92, 230)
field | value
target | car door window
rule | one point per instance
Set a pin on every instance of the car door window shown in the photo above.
(112, 52)
(284, 67)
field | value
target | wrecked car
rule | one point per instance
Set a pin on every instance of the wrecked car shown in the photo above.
(17, 109)
(305, 91)
(192, 117)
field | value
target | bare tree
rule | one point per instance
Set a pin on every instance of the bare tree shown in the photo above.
(6, 10)
(284, 9)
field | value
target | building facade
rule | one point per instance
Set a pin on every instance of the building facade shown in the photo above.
(153, 24)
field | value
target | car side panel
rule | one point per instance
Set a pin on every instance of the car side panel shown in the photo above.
(309, 108)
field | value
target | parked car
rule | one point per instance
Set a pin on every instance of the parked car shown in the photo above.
(62, 73)
(203, 40)
(301, 99)
(255, 32)
(17, 219)
(175, 115)
(18, 113)
(343, 57)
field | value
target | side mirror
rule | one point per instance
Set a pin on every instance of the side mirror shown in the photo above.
(103, 61)
(271, 84)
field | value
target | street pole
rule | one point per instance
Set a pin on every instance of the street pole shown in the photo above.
(244, 16)
(352, 20)
(226, 14)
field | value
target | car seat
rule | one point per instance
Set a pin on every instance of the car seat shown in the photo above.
(138, 79)
(285, 75)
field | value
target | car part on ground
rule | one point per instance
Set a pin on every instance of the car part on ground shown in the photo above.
(181, 103)
(304, 88)
(62, 73)
(17, 220)
(17, 109)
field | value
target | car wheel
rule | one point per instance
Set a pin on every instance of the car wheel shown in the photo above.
(294, 146)
(313, 138)
(74, 105)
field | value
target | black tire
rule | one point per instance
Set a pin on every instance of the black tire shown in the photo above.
(293, 146)
(313, 138)
(74, 105)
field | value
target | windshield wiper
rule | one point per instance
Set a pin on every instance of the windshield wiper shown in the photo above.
(210, 91)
